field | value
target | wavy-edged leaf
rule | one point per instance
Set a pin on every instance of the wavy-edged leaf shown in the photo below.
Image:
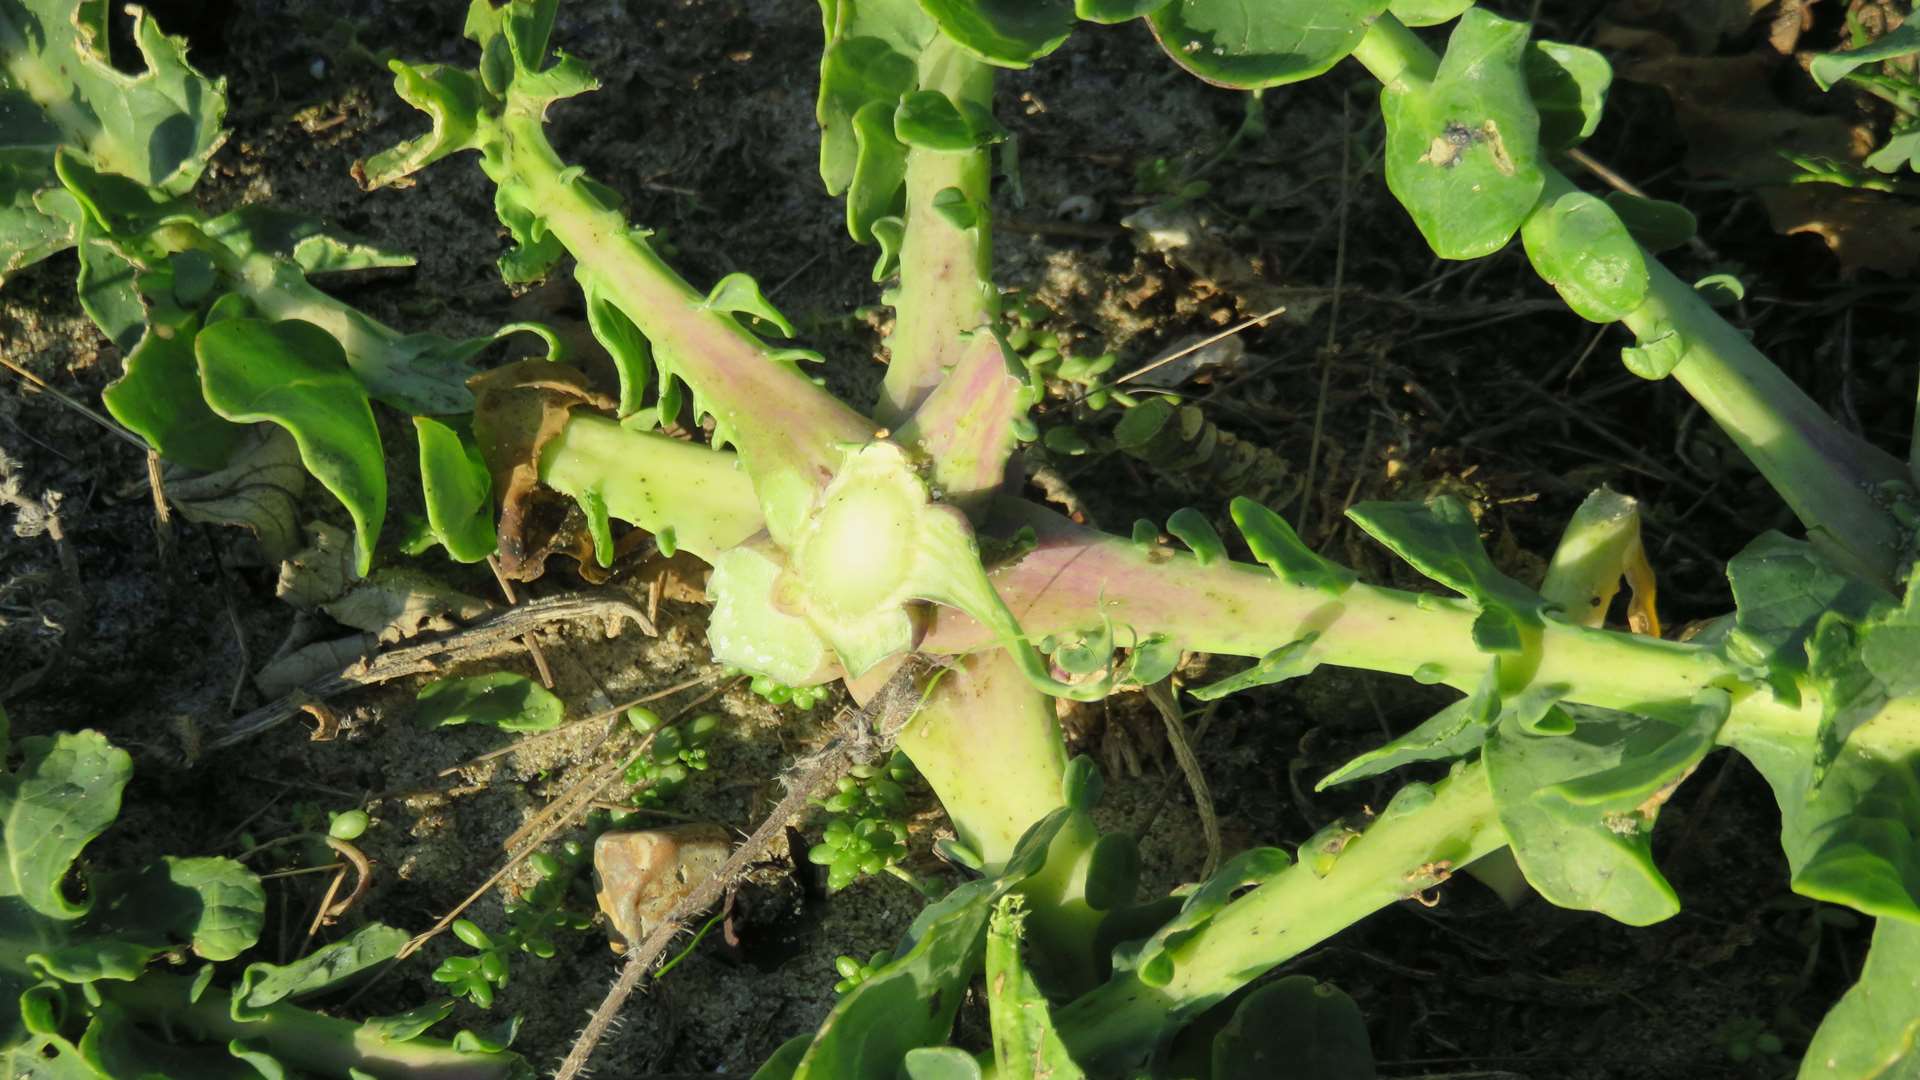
(1294, 1027)
(1289, 661)
(1874, 1031)
(1657, 224)
(1829, 68)
(59, 87)
(159, 397)
(499, 699)
(1569, 85)
(294, 374)
(1249, 44)
(1858, 666)
(1579, 808)
(458, 491)
(1440, 539)
(451, 98)
(1455, 731)
(65, 792)
(215, 905)
(1463, 149)
(1578, 245)
(1274, 543)
(739, 294)
(1781, 588)
(264, 985)
(1008, 33)
(1850, 838)
(877, 187)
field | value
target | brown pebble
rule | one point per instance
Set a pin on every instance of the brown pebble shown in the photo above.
(639, 875)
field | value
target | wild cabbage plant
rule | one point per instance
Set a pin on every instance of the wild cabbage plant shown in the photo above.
(91, 1002)
(845, 539)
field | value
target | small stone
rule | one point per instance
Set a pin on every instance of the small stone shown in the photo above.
(639, 875)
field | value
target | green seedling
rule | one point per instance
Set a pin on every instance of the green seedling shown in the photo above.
(661, 770)
(866, 831)
(854, 972)
(533, 921)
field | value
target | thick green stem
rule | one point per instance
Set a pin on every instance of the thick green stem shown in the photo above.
(789, 431)
(990, 746)
(1108, 1030)
(946, 272)
(1837, 483)
(306, 1040)
(661, 484)
(1073, 576)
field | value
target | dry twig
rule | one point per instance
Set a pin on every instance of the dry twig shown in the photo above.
(861, 734)
(427, 656)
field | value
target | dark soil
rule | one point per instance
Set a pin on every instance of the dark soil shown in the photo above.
(1393, 376)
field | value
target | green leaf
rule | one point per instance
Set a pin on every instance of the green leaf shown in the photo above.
(1152, 960)
(1829, 68)
(1579, 808)
(535, 251)
(1024, 1041)
(1569, 85)
(1463, 150)
(1657, 354)
(1857, 665)
(1193, 529)
(28, 233)
(409, 1025)
(59, 88)
(1289, 661)
(159, 397)
(1274, 543)
(939, 1063)
(1455, 731)
(1009, 33)
(632, 356)
(1294, 1027)
(1249, 44)
(499, 699)
(1850, 835)
(1874, 1031)
(1657, 224)
(929, 120)
(1427, 12)
(911, 1002)
(294, 374)
(1781, 588)
(458, 489)
(1110, 12)
(1440, 539)
(215, 904)
(739, 294)
(451, 98)
(106, 285)
(1901, 151)
(263, 985)
(1581, 248)
(65, 792)
(877, 188)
